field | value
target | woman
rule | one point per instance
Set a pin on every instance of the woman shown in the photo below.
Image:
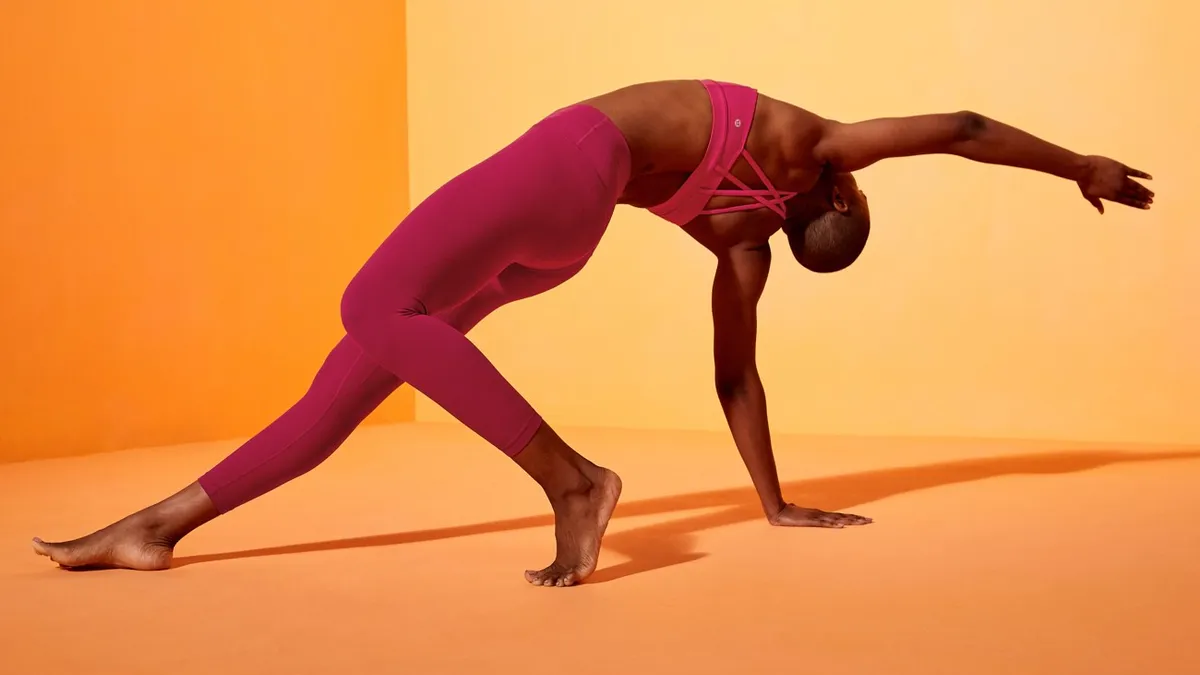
(728, 165)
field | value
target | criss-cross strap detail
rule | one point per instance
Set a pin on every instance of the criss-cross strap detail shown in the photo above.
(768, 196)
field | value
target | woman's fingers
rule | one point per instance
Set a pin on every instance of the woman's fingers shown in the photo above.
(1130, 171)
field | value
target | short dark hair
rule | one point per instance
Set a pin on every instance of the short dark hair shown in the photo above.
(831, 242)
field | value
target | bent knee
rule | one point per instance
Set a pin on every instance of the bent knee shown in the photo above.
(365, 310)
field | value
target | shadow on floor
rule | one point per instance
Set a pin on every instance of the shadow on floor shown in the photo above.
(670, 543)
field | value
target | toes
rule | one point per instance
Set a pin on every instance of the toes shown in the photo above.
(54, 552)
(540, 577)
(551, 576)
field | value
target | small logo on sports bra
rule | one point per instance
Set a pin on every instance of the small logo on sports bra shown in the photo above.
(737, 123)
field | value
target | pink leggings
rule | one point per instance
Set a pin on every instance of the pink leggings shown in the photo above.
(518, 224)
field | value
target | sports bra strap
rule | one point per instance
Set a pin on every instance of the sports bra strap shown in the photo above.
(769, 197)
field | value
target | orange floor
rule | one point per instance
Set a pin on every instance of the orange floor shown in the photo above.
(403, 554)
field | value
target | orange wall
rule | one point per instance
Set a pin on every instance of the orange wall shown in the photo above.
(990, 302)
(185, 188)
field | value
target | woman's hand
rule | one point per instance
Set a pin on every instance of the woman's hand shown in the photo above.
(795, 516)
(1108, 179)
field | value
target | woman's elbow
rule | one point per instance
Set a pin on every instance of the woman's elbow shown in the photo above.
(969, 126)
(733, 385)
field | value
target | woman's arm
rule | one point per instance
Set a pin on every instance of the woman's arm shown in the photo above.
(849, 147)
(739, 282)
(741, 276)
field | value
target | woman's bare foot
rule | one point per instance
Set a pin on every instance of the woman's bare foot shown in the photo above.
(143, 541)
(126, 544)
(580, 519)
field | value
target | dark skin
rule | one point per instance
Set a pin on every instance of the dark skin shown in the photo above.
(667, 126)
(805, 153)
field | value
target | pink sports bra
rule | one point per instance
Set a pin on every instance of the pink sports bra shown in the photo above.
(732, 114)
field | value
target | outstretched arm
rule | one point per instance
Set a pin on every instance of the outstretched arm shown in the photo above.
(740, 279)
(849, 147)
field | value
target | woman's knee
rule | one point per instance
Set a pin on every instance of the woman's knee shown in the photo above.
(365, 309)
(356, 307)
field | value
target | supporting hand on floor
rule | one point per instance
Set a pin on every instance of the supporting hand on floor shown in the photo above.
(795, 516)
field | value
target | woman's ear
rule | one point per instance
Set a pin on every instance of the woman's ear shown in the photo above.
(839, 202)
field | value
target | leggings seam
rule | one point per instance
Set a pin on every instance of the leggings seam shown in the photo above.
(307, 430)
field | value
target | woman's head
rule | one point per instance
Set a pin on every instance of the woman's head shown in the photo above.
(828, 232)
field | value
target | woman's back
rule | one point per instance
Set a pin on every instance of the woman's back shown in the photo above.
(668, 125)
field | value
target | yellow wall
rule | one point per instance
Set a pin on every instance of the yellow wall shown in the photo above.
(990, 302)
(185, 189)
